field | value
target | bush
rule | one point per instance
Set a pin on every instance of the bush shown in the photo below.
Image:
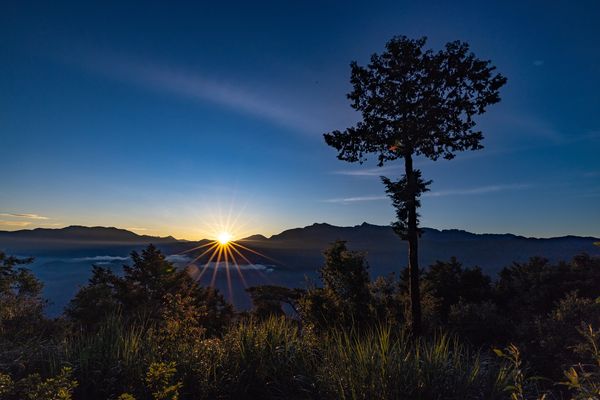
(33, 387)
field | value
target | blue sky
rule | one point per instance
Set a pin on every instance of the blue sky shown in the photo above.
(170, 117)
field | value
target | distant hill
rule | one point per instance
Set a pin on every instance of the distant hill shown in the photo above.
(301, 248)
(82, 233)
(64, 257)
(76, 241)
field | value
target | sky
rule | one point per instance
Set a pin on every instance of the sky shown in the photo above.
(177, 118)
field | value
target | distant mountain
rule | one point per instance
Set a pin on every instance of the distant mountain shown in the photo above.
(64, 256)
(82, 233)
(301, 248)
(77, 240)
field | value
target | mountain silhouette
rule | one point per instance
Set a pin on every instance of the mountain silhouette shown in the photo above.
(301, 248)
(64, 257)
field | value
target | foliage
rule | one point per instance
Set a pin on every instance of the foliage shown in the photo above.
(350, 342)
(345, 298)
(160, 381)
(584, 378)
(416, 102)
(33, 387)
(405, 195)
(21, 303)
(148, 288)
(520, 386)
(382, 365)
(268, 299)
(537, 285)
(449, 282)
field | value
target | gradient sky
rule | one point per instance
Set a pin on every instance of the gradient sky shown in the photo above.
(164, 117)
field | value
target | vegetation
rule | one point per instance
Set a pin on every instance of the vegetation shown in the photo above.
(525, 335)
(416, 102)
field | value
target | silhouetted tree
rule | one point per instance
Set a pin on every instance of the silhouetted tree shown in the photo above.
(147, 288)
(416, 102)
(21, 302)
(449, 282)
(345, 298)
(533, 287)
(268, 299)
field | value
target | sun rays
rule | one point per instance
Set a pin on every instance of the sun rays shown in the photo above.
(223, 257)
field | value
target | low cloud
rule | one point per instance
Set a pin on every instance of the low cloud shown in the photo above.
(178, 258)
(232, 266)
(100, 259)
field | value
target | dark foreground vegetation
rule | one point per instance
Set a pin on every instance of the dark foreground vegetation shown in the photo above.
(153, 333)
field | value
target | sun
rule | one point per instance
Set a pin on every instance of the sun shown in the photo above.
(224, 238)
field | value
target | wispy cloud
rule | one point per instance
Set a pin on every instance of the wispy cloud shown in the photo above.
(532, 126)
(197, 85)
(23, 215)
(477, 190)
(357, 199)
(377, 171)
(20, 224)
(538, 63)
(454, 192)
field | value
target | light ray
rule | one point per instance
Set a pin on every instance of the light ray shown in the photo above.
(255, 252)
(206, 251)
(197, 248)
(228, 274)
(239, 270)
(216, 269)
(251, 263)
(212, 256)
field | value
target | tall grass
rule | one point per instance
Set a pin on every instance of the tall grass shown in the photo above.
(385, 364)
(275, 359)
(113, 359)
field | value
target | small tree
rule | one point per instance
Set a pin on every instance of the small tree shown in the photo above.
(150, 287)
(345, 299)
(416, 102)
(21, 302)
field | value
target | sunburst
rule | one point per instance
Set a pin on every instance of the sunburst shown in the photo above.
(224, 252)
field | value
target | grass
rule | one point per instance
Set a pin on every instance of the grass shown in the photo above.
(276, 359)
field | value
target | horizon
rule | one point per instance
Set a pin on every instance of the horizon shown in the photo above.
(233, 239)
(187, 120)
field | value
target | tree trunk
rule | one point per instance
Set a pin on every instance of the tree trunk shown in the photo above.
(413, 249)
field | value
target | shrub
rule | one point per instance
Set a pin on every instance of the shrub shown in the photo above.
(160, 380)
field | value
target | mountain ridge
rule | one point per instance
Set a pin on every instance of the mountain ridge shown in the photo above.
(81, 232)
